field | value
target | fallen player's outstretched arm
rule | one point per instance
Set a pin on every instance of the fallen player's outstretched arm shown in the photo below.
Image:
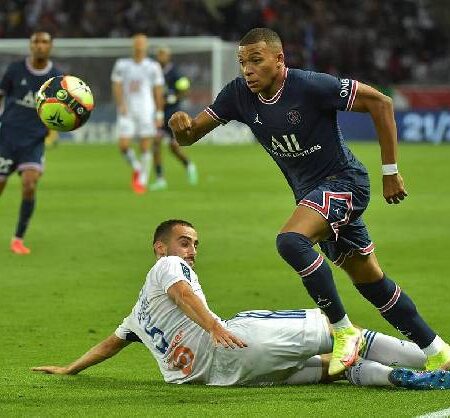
(106, 349)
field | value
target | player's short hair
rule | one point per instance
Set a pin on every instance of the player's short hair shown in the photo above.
(41, 30)
(164, 229)
(256, 35)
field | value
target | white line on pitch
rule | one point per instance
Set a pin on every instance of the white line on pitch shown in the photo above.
(437, 414)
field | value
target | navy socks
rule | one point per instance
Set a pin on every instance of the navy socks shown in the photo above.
(316, 275)
(26, 210)
(398, 309)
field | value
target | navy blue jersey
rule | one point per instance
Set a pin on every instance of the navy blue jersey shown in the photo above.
(298, 126)
(171, 76)
(20, 84)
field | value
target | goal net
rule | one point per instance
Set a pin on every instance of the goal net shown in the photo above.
(208, 62)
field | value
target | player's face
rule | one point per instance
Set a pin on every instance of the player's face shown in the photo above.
(260, 65)
(183, 242)
(140, 45)
(163, 57)
(40, 45)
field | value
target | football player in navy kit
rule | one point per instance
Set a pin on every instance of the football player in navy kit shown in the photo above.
(22, 133)
(293, 115)
(176, 87)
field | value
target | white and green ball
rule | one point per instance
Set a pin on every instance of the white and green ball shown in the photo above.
(64, 103)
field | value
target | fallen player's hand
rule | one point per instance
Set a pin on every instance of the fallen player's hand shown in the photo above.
(51, 369)
(180, 122)
(221, 336)
(394, 188)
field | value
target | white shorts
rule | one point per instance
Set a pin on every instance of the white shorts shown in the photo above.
(281, 349)
(135, 126)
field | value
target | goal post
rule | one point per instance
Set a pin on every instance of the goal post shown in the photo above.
(207, 61)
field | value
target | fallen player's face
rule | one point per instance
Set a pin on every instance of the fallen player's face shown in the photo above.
(41, 45)
(183, 242)
(259, 65)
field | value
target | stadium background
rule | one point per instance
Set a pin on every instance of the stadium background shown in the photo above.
(90, 234)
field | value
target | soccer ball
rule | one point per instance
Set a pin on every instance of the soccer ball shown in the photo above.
(64, 103)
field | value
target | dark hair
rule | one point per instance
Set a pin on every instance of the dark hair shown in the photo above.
(256, 35)
(164, 229)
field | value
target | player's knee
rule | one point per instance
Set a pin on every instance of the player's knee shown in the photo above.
(292, 244)
(29, 190)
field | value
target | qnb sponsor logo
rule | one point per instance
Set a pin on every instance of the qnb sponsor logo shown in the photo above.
(345, 87)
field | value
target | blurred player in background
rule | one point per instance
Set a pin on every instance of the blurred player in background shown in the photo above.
(137, 85)
(192, 344)
(176, 88)
(22, 133)
(293, 114)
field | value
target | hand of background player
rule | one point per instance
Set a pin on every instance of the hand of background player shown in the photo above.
(221, 336)
(394, 188)
(51, 369)
(180, 122)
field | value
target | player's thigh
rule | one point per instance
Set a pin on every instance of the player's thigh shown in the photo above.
(3, 181)
(279, 344)
(362, 268)
(8, 163)
(126, 130)
(308, 222)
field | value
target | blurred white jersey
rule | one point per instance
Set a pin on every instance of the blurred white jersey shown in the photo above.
(183, 349)
(138, 80)
(281, 344)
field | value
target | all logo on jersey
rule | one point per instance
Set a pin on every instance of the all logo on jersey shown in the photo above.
(186, 271)
(294, 117)
(288, 146)
(23, 82)
(257, 120)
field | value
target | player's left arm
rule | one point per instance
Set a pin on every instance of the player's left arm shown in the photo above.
(108, 348)
(381, 110)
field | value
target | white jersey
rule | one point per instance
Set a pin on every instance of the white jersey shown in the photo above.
(138, 80)
(183, 349)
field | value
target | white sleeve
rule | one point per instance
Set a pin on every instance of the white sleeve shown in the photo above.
(172, 270)
(117, 72)
(158, 76)
(125, 333)
(122, 330)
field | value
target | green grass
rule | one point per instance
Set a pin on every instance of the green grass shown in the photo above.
(90, 238)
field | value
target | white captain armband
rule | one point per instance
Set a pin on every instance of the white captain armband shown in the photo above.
(389, 169)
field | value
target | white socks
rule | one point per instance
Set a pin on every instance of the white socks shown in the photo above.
(368, 373)
(434, 347)
(391, 351)
(343, 323)
(146, 163)
(130, 157)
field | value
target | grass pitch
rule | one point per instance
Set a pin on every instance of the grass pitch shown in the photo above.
(90, 240)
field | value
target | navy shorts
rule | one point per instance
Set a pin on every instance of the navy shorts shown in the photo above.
(342, 202)
(19, 151)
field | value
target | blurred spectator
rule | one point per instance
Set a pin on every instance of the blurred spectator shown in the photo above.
(379, 41)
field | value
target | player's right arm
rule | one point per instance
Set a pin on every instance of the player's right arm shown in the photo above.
(224, 109)
(108, 348)
(187, 131)
(185, 298)
(117, 87)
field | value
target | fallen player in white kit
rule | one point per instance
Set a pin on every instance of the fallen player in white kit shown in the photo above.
(261, 347)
